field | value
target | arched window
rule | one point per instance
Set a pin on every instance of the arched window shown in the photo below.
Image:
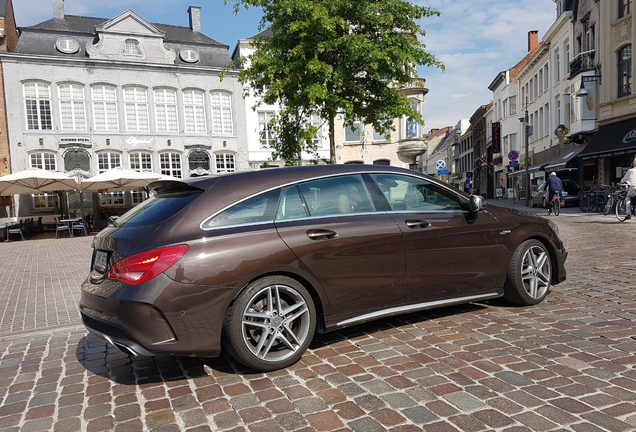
(171, 164)
(136, 106)
(67, 45)
(37, 100)
(43, 160)
(221, 105)
(166, 110)
(625, 71)
(140, 161)
(194, 111)
(105, 108)
(131, 47)
(108, 160)
(72, 108)
(225, 163)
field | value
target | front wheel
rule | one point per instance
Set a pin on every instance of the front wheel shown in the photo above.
(270, 324)
(557, 207)
(529, 274)
(609, 203)
(621, 209)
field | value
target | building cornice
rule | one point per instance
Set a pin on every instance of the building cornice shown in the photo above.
(110, 64)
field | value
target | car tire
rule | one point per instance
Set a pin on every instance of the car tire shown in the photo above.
(529, 274)
(544, 203)
(270, 324)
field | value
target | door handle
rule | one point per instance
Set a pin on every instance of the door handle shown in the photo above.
(316, 234)
(417, 223)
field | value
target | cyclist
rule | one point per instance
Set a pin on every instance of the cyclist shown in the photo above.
(630, 180)
(554, 186)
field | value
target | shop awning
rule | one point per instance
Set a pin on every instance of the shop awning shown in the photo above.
(612, 140)
(561, 161)
(534, 168)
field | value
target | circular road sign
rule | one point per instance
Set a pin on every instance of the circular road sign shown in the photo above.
(440, 164)
(513, 155)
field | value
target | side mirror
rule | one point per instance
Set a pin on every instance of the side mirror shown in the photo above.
(477, 203)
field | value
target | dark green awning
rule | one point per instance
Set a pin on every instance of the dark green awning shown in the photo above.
(612, 140)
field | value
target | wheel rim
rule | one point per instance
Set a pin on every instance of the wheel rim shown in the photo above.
(276, 323)
(536, 272)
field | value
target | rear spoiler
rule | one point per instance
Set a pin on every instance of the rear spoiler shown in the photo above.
(168, 186)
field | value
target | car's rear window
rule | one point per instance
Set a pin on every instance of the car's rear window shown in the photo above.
(158, 208)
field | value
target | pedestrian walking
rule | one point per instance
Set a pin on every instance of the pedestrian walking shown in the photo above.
(630, 179)
(554, 187)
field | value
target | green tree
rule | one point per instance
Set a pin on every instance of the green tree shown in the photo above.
(330, 57)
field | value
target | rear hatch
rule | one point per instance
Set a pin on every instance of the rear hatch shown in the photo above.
(124, 234)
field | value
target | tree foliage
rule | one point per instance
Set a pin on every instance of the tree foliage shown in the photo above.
(331, 57)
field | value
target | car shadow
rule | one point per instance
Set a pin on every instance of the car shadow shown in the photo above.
(103, 359)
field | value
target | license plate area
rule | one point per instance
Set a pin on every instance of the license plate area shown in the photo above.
(564, 193)
(101, 261)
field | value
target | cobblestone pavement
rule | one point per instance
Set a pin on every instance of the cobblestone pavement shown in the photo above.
(567, 364)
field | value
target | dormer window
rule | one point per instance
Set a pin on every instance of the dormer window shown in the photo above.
(131, 47)
(67, 45)
(189, 55)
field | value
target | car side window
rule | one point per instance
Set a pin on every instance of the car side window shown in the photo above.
(337, 195)
(260, 208)
(291, 206)
(406, 193)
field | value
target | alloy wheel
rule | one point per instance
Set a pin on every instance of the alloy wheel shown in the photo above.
(536, 272)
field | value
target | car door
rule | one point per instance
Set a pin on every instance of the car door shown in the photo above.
(357, 253)
(450, 252)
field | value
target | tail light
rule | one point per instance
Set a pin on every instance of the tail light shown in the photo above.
(144, 266)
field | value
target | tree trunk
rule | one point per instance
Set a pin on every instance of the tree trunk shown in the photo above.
(332, 139)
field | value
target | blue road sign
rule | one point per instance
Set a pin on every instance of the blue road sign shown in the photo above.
(442, 172)
(440, 165)
(513, 164)
(513, 155)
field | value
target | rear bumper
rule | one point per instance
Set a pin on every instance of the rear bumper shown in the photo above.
(158, 317)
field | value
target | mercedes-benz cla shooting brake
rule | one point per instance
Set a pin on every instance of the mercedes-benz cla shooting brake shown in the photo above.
(259, 261)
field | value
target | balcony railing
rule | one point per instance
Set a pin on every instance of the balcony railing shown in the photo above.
(582, 62)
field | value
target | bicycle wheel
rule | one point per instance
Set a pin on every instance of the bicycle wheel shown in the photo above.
(621, 209)
(594, 204)
(584, 204)
(609, 205)
(556, 206)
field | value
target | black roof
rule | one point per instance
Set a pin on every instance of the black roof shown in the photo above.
(40, 39)
(80, 24)
(612, 139)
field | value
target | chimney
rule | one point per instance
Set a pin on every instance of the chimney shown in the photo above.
(195, 18)
(58, 9)
(533, 40)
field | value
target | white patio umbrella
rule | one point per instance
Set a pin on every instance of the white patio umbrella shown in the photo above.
(121, 179)
(35, 181)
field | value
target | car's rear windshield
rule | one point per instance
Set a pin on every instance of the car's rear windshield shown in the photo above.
(158, 208)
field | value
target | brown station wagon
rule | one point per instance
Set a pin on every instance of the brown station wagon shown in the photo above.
(258, 261)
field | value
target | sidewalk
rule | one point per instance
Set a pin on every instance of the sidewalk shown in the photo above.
(521, 205)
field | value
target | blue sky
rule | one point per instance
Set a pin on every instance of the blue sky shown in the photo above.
(476, 39)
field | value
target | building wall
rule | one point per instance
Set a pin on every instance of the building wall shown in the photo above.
(19, 70)
(7, 43)
(616, 33)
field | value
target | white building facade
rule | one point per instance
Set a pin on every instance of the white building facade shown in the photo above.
(95, 94)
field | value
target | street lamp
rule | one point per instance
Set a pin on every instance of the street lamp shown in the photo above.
(587, 78)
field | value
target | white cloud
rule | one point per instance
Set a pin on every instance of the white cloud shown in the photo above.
(475, 39)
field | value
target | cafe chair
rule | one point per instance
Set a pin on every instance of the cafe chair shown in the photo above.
(80, 226)
(17, 229)
(61, 227)
(37, 226)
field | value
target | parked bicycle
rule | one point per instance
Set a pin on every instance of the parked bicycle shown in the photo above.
(611, 198)
(623, 205)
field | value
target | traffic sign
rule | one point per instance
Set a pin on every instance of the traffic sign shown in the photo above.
(513, 164)
(442, 172)
(513, 155)
(440, 165)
